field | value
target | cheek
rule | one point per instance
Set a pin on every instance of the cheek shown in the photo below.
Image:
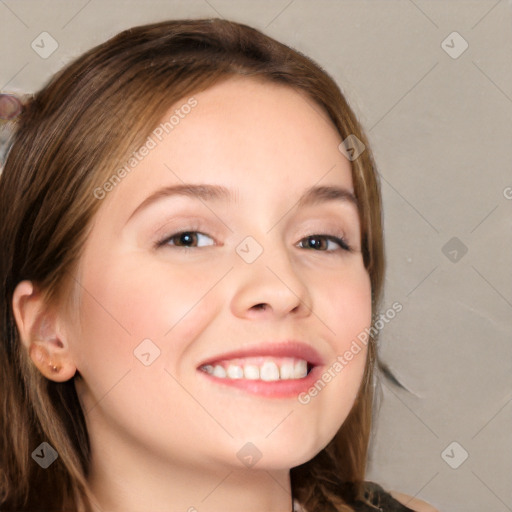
(153, 298)
(123, 305)
(136, 303)
(345, 305)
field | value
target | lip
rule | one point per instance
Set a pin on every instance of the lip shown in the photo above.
(289, 348)
(271, 389)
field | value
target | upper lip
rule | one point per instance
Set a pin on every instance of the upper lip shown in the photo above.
(288, 348)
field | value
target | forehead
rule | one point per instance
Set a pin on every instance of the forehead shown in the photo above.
(256, 113)
(252, 136)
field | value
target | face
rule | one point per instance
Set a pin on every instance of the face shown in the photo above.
(194, 300)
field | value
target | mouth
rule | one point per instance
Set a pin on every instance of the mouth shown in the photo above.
(268, 369)
(279, 370)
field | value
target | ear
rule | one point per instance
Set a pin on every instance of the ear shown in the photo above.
(40, 333)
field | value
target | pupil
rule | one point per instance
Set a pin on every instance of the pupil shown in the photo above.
(186, 238)
(315, 242)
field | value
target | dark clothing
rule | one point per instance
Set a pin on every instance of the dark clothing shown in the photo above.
(377, 496)
(381, 500)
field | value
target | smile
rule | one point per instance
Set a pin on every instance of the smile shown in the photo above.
(267, 369)
(272, 369)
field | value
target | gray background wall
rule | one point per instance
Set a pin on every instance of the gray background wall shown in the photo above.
(440, 121)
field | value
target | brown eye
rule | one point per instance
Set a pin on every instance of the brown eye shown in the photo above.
(185, 239)
(321, 243)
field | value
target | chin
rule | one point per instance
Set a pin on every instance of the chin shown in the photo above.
(277, 451)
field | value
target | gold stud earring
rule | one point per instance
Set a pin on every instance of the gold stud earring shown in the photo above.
(54, 368)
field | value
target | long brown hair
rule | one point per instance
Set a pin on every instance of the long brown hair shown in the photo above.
(69, 138)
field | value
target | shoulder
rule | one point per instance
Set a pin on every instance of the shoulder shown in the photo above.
(413, 503)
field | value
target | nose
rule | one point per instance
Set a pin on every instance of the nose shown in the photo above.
(270, 287)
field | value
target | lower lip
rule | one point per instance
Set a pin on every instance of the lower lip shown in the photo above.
(271, 389)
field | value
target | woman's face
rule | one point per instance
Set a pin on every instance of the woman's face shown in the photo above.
(249, 290)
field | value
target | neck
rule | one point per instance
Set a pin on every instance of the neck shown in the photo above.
(125, 481)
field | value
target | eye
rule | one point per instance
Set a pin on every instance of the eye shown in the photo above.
(185, 239)
(324, 243)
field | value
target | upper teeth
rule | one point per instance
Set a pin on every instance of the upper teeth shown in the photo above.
(259, 368)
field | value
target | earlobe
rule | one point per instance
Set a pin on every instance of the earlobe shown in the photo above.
(37, 327)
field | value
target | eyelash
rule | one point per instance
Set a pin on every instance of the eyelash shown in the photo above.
(340, 240)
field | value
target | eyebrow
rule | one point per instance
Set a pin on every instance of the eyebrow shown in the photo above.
(312, 196)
